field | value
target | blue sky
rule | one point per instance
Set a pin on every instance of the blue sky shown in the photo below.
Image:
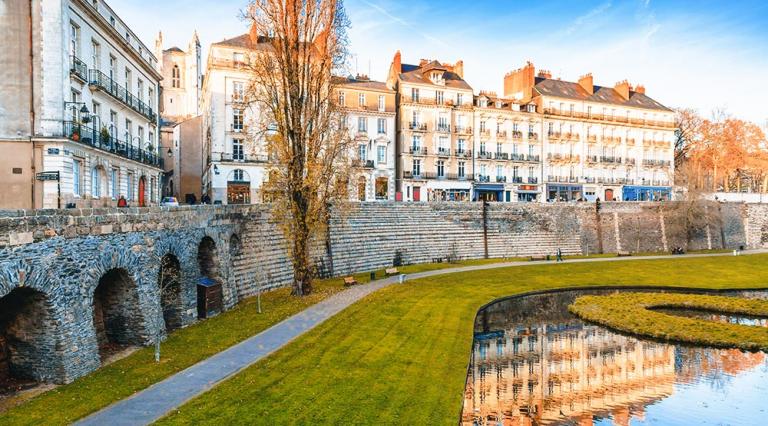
(700, 54)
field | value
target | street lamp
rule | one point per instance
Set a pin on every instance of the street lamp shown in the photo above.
(83, 111)
(170, 153)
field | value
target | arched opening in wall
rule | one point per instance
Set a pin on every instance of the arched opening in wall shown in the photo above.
(169, 283)
(116, 315)
(27, 348)
(238, 186)
(209, 291)
(361, 184)
(142, 191)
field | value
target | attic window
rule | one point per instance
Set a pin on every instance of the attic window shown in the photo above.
(498, 104)
(531, 107)
(239, 57)
(436, 77)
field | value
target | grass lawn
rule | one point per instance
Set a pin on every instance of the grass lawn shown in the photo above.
(183, 348)
(400, 355)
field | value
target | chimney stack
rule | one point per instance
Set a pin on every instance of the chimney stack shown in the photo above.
(640, 89)
(545, 74)
(423, 62)
(458, 68)
(586, 83)
(518, 84)
(397, 63)
(622, 88)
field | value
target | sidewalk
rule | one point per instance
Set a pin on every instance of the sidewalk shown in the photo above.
(152, 403)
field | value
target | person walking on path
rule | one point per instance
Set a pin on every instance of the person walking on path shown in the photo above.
(559, 255)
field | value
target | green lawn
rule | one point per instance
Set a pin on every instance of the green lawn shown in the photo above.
(400, 355)
(183, 348)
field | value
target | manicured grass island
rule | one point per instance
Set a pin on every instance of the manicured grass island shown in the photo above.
(634, 313)
(400, 355)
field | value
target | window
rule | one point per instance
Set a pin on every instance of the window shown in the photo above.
(237, 150)
(416, 117)
(74, 42)
(342, 99)
(238, 175)
(459, 98)
(112, 67)
(237, 120)
(95, 55)
(443, 144)
(460, 145)
(77, 166)
(238, 91)
(589, 111)
(382, 125)
(499, 172)
(151, 95)
(381, 154)
(530, 129)
(439, 97)
(515, 172)
(530, 172)
(151, 138)
(440, 168)
(382, 188)
(415, 94)
(531, 107)
(141, 136)
(96, 111)
(140, 89)
(129, 183)
(128, 132)
(362, 124)
(362, 152)
(382, 103)
(112, 21)
(128, 79)
(417, 167)
(442, 123)
(175, 76)
(416, 142)
(75, 98)
(238, 57)
(482, 126)
(95, 183)
(361, 100)
(461, 169)
(530, 150)
(112, 123)
(114, 182)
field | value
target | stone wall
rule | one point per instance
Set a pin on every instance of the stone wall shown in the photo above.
(64, 254)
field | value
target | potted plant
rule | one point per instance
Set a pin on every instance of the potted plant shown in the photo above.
(75, 136)
(105, 136)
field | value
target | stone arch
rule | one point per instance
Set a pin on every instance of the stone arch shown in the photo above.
(117, 317)
(28, 339)
(169, 285)
(235, 246)
(209, 264)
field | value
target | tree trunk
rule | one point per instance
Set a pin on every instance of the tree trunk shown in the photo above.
(302, 274)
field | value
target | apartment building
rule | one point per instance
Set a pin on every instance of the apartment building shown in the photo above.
(434, 130)
(180, 119)
(370, 118)
(612, 143)
(507, 150)
(235, 162)
(82, 129)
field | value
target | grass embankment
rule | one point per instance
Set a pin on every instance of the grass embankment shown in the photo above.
(633, 313)
(183, 348)
(400, 355)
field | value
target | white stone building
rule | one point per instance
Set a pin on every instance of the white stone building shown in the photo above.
(91, 101)
(235, 164)
(370, 108)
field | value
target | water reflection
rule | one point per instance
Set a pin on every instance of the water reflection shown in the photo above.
(534, 363)
(712, 316)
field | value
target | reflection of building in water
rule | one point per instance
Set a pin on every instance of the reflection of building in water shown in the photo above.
(545, 374)
(693, 362)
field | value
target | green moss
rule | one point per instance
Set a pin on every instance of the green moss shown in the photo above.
(400, 355)
(632, 313)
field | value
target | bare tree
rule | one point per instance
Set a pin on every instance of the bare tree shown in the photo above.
(167, 283)
(297, 46)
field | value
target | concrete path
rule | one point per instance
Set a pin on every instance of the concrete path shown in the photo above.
(148, 405)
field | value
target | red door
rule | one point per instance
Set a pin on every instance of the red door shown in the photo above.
(142, 186)
(416, 193)
(608, 195)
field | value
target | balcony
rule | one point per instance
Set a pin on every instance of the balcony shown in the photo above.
(461, 153)
(591, 159)
(501, 135)
(485, 133)
(483, 178)
(444, 128)
(443, 152)
(239, 158)
(364, 164)
(517, 179)
(533, 180)
(417, 150)
(610, 160)
(105, 142)
(532, 158)
(408, 174)
(629, 161)
(463, 130)
(589, 179)
(517, 157)
(501, 156)
(553, 136)
(416, 126)
(657, 163)
(607, 117)
(78, 69)
(484, 155)
(533, 135)
(101, 81)
(592, 138)
(501, 179)
(516, 134)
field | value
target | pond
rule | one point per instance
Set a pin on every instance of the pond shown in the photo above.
(533, 363)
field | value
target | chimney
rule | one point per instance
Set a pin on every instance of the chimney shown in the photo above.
(458, 68)
(622, 88)
(423, 62)
(519, 83)
(545, 74)
(586, 83)
(640, 89)
(397, 63)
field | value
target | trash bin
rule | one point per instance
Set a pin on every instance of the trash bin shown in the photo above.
(209, 298)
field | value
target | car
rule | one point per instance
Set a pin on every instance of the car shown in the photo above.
(169, 202)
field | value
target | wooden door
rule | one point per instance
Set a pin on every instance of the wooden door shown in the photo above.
(416, 193)
(608, 195)
(142, 189)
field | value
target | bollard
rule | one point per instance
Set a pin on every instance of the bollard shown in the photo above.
(401, 278)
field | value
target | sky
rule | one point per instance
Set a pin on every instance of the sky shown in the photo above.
(699, 54)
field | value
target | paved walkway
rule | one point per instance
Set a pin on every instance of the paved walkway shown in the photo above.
(152, 403)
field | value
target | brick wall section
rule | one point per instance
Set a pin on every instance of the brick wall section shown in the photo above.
(64, 253)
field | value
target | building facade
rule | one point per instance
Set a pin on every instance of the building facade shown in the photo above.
(612, 143)
(434, 131)
(180, 120)
(83, 127)
(370, 118)
(235, 163)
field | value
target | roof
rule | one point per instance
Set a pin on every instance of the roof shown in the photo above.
(173, 49)
(244, 41)
(415, 74)
(362, 84)
(608, 95)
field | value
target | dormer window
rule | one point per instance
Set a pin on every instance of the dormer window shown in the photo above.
(531, 108)
(498, 104)
(483, 103)
(436, 77)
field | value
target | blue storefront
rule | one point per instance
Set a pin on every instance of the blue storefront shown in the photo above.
(489, 192)
(646, 193)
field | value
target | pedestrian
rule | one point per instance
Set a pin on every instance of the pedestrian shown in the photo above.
(122, 202)
(559, 255)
